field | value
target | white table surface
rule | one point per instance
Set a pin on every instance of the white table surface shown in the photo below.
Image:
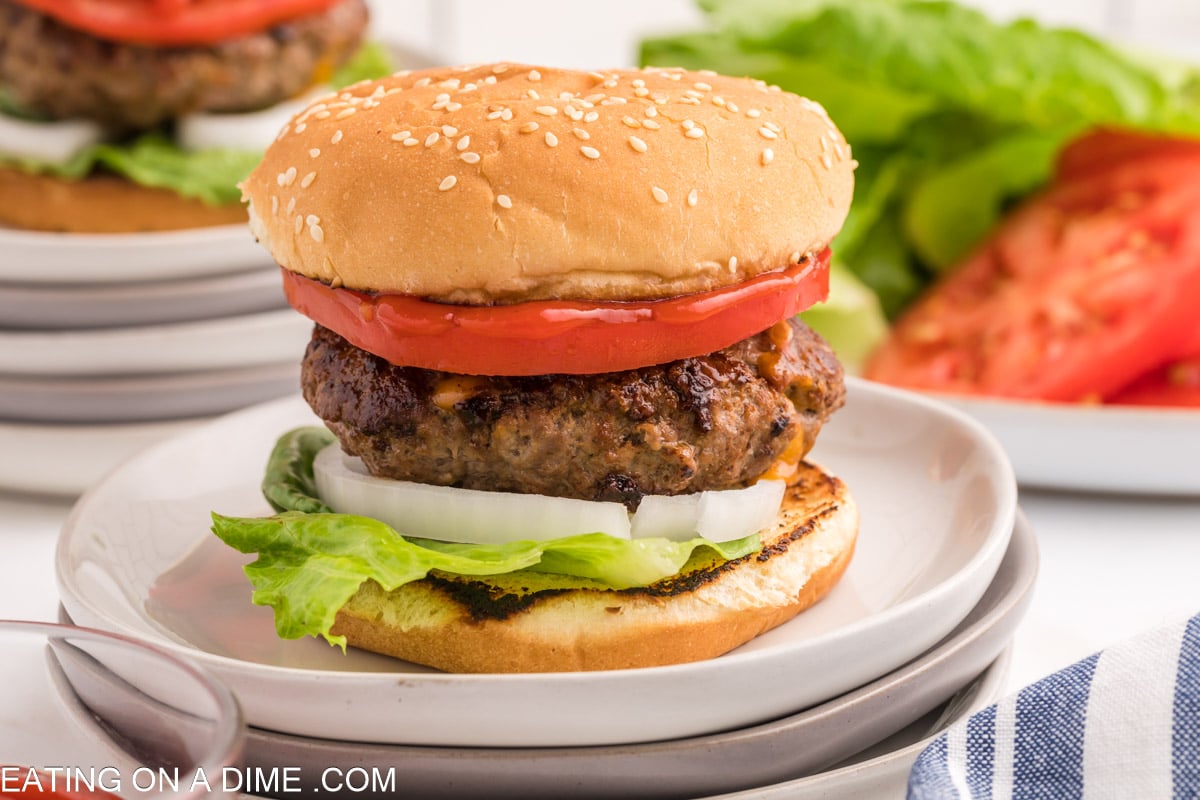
(1110, 567)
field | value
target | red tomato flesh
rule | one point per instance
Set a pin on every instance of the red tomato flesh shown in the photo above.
(1176, 385)
(1080, 291)
(558, 336)
(174, 22)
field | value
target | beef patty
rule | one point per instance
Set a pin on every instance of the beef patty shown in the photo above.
(55, 71)
(710, 422)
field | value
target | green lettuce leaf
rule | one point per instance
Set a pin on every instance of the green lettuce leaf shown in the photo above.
(952, 117)
(311, 562)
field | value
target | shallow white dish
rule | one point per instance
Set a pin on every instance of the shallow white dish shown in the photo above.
(938, 503)
(77, 306)
(269, 337)
(64, 460)
(37, 257)
(1121, 449)
(882, 771)
(144, 398)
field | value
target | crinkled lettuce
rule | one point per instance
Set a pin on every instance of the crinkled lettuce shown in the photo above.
(310, 561)
(952, 117)
(154, 159)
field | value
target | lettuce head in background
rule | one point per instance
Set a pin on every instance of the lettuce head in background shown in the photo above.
(952, 117)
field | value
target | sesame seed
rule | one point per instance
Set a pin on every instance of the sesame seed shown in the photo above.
(275, 204)
(289, 177)
(651, 124)
(410, 141)
(503, 201)
(312, 219)
(432, 138)
(768, 155)
(551, 139)
(401, 136)
(651, 111)
(590, 152)
(591, 116)
(422, 82)
(631, 122)
(659, 194)
(574, 113)
(532, 94)
(638, 83)
(548, 111)
(345, 112)
(464, 143)
(453, 106)
(595, 98)
(613, 101)
(718, 101)
(470, 158)
(317, 233)
(490, 80)
(497, 114)
(447, 183)
(449, 130)
(826, 160)
(300, 126)
(528, 127)
(795, 257)
(694, 133)
(451, 83)
(767, 133)
(307, 180)
(695, 95)
(772, 126)
(753, 113)
(500, 69)
(534, 75)
(299, 224)
(337, 137)
(291, 206)
(506, 114)
(693, 198)
(637, 144)
(732, 107)
(824, 145)
(323, 114)
(580, 133)
(641, 91)
(704, 87)
(732, 263)
(688, 124)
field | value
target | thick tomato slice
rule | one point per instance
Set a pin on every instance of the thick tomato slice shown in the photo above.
(1176, 384)
(552, 336)
(1105, 148)
(175, 22)
(1081, 290)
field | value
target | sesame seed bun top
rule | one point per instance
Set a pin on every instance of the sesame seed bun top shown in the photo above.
(506, 182)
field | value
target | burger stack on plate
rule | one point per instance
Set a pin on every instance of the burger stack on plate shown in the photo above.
(133, 299)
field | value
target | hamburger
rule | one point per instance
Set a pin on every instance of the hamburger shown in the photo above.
(566, 398)
(138, 115)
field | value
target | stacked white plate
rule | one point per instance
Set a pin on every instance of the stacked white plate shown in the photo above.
(835, 703)
(109, 342)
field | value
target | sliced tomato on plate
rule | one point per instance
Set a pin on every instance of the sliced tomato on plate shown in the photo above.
(558, 336)
(175, 22)
(1106, 148)
(1176, 384)
(1080, 291)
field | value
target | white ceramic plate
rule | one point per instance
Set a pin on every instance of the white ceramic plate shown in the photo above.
(63, 460)
(144, 398)
(34, 257)
(938, 502)
(271, 337)
(1095, 448)
(77, 306)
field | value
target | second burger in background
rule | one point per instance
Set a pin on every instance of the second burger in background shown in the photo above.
(556, 343)
(144, 115)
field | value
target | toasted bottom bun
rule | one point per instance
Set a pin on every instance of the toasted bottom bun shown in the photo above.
(489, 625)
(102, 204)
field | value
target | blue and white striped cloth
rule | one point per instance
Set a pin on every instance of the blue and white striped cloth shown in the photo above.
(1124, 723)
